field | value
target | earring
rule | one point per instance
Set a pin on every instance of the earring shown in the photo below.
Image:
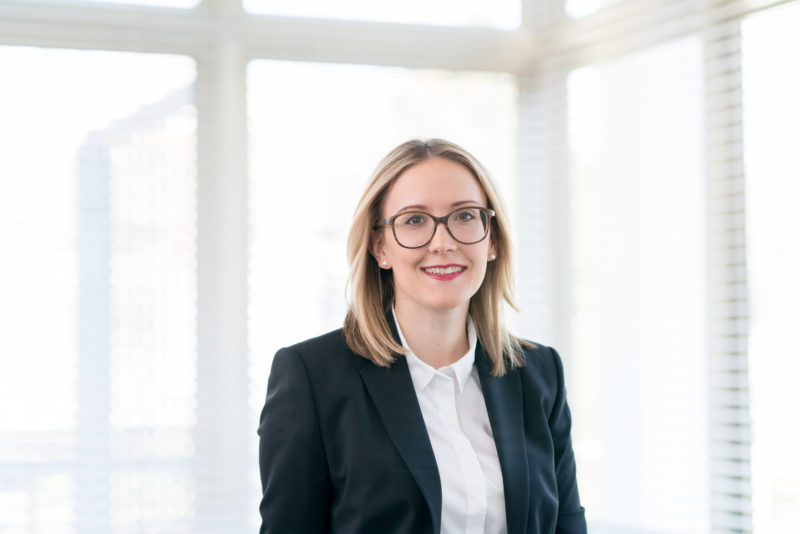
(492, 257)
(384, 263)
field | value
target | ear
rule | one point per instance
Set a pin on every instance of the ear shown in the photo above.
(378, 251)
(492, 250)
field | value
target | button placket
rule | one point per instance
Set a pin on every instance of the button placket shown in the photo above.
(466, 456)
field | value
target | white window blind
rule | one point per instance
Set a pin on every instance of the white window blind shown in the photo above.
(599, 35)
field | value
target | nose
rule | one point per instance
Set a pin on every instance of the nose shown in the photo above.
(441, 241)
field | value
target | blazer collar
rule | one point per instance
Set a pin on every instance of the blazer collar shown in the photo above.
(503, 398)
(392, 392)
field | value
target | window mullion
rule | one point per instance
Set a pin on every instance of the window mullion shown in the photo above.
(223, 429)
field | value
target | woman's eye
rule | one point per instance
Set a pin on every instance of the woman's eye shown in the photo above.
(414, 220)
(465, 216)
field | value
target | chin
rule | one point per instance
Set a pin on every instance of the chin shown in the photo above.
(437, 298)
(444, 306)
(446, 302)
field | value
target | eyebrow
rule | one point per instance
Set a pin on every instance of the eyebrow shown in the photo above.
(453, 205)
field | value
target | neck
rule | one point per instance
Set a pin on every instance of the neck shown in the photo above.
(437, 337)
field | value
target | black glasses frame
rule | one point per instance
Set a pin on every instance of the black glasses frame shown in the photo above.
(436, 220)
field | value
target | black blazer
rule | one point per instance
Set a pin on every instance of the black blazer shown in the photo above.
(344, 447)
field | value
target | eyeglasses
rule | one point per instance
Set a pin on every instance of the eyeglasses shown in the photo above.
(415, 229)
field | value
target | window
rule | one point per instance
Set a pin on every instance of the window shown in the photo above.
(583, 8)
(771, 86)
(638, 333)
(500, 14)
(311, 157)
(645, 149)
(150, 3)
(97, 229)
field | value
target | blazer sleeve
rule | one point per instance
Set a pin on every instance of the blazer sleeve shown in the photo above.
(294, 472)
(571, 518)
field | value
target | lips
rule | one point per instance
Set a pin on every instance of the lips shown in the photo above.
(444, 272)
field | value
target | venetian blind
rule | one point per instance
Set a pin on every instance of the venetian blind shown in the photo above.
(575, 52)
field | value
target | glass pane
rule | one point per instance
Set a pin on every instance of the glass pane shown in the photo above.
(152, 502)
(637, 283)
(97, 233)
(34, 503)
(771, 85)
(154, 3)
(499, 14)
(577, 9)
(316, 133)
(152, 263)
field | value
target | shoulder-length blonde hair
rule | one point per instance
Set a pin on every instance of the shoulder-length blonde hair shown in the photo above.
(371, 290)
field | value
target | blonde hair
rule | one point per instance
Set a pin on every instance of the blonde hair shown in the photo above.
(371, 289)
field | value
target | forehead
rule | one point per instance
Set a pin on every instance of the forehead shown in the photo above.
(435, 185)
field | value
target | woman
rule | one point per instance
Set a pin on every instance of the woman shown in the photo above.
(423, 414)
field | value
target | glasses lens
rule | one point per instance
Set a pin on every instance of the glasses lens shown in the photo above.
(413, 229)
(468, 225)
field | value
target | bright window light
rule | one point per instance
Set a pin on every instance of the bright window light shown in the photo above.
(498, 14)
(771, 85)
(578, 9)
(98, 285)
(638, 326)
(185, 4)
(316, 133)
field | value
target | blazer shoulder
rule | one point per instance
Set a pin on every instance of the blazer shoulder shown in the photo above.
(540, 354)
(325, 341)
(542, 362)
(325, 350)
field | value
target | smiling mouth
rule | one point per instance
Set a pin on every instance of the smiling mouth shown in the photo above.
(444, 270)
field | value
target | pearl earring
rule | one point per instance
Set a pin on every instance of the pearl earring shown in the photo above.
(492, 257)
(384, 263)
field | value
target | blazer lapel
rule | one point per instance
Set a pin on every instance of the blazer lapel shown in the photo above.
(392, 392)
(503, 397)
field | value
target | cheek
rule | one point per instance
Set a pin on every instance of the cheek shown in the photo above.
(480, 270)
(405, 259)
(481, 255)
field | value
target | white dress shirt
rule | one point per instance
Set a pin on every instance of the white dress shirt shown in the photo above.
(455, 415)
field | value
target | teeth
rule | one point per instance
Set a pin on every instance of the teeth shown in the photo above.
(443, 270)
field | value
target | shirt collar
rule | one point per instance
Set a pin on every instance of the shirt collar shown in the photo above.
(422, 373)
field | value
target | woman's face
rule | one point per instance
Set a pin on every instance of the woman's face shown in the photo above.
(436, 186)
